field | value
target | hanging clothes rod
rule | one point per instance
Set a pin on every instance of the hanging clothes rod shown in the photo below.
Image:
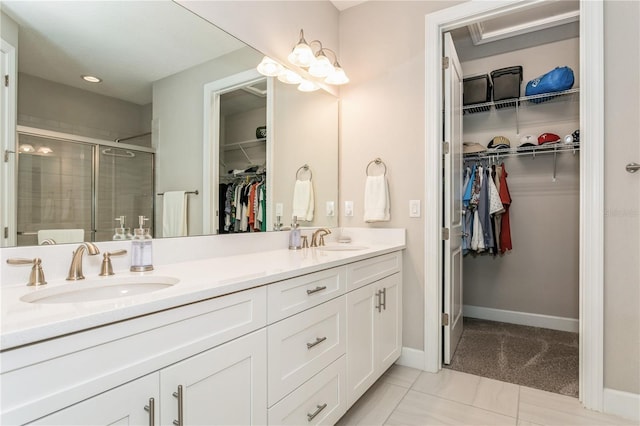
(186, 192)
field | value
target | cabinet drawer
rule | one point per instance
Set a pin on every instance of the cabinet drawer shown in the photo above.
(302, 345)
(289, 297)
(370, 270)
(321, 400)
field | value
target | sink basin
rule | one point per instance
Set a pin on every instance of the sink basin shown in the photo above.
(100, 289)
(342, 247)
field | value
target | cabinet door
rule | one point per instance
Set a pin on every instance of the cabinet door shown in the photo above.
(226, 385)
(389, 322)
(361, 317)
(124, 405)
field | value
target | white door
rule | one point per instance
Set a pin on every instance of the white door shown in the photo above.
(452, 274)
(8, 157)
(226, 385)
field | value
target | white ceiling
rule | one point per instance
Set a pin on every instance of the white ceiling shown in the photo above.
(129, 44)
(346, 4)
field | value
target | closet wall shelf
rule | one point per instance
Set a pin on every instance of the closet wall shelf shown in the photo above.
(526, 101)
(244, 144)
(531, 151)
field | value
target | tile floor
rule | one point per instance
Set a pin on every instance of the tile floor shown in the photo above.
(406, 396)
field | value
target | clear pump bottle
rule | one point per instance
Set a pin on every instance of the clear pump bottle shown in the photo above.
(121, 233)
(141, 248)
(295, 240)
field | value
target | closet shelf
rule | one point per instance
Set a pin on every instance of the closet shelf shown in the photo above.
(244, 144)
(524, 101)
(529, 151)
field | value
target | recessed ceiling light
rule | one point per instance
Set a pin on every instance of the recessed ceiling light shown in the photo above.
(91, 79)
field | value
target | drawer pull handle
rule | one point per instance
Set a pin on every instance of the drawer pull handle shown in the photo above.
(151, 408)
(384, 298)
(178, 395)
(319, 408)
(317, 289)
(379, 296)
(317, 342)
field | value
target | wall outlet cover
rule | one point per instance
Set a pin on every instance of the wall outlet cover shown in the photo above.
(348, 208)
(414, 208)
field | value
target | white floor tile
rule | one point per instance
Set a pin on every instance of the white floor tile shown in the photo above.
(400, 375)
(375, 406)
(417, 408)
(553, 409)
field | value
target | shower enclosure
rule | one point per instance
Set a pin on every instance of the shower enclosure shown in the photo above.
(71, 183)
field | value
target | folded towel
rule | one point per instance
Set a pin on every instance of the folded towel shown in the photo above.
(303, 203)
(61, 236)
(174, 214)
(376, 199)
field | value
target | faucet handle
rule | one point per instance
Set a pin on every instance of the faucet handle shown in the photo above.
(106, 269)
(37, 274)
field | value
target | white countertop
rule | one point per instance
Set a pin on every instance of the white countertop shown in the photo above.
(24, 323)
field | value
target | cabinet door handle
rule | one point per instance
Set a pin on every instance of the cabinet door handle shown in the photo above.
(178, 395)
(317, 289)
(384, 298)
(319, 408)
(151, 408)
(379, 296)
(317, 342)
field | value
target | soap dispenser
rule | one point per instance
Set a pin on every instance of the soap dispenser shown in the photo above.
(295, 241)
(141, 248)
(121, 233)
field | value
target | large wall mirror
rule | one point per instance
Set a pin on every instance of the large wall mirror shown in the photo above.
(87, 154)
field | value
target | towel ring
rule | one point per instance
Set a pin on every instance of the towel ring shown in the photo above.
(377, 162)
(303, 169)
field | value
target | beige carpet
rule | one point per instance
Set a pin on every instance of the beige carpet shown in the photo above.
(536, 357)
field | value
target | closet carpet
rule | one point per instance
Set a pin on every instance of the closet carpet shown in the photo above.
(536, 357)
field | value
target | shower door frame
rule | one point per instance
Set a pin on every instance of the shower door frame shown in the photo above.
(95, 143)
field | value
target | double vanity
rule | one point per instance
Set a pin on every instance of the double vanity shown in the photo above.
(270, 337)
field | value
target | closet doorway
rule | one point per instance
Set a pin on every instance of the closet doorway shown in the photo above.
(590, 124)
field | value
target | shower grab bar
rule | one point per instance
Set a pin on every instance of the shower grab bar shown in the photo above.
(186, 192)
(127, 154)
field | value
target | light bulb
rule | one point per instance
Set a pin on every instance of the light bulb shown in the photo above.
(289, 77)
(45, 150)
(307, 86)
(25, 147)
(269, 67)
(338, 76)
(321, 67)
(301, 55)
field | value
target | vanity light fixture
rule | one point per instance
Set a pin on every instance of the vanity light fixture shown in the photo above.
(45, 150)
(308, 86)
(289, 77)
(268, 67)
(318, 63)
(91, 79)
(25, 147)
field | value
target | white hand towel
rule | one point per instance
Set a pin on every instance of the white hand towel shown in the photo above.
(376, 199)
(61, 236)
(174, 214)
(303, 200)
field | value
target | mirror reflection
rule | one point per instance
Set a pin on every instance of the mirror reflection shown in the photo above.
(92, 157)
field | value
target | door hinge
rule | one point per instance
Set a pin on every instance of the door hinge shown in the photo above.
(445, 233)
(6, 232)
(6, 80)
(445, 319)
(445, 62)
(445, 147)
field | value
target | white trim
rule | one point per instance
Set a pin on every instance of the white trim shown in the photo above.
(410, 357)
(591, 185)
(8, 170)
(623, 404)
(522, 318)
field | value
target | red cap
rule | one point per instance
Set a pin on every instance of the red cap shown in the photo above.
(548, 138)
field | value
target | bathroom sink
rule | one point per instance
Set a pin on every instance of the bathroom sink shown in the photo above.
(100, 289)
(342, 247)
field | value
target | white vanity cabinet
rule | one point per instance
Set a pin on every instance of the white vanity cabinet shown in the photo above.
(374, 322)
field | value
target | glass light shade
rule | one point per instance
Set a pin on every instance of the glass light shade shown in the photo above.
(289, 77)
(338, 76)
(301, 55)
(321, 67)
(308, 86)
(269, 67)
(25, 147)
(45, 150)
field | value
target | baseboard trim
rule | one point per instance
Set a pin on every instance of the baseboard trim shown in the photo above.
(623, 404)
(410, 357)
(522, 318)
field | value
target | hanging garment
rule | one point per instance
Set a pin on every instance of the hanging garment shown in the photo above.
(467, 214)
(483, 210)
(497, 219)
(505, 197)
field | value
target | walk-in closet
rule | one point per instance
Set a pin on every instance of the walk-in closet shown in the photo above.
(520, 295)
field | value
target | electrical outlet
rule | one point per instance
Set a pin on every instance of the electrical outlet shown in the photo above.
(414, 208)
(279, 209)
(348, 208)
(330, 208)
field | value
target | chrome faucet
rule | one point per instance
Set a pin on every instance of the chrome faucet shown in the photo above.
(319, 233)
(75, 270)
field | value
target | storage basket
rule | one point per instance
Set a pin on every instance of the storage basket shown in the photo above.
(476, 90)
(506, 85)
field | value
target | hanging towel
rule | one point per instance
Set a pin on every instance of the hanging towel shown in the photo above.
(61, 236)
(303, 203)
(376, 199)
(174, 214)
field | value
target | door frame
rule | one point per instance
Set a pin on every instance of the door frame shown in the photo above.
(591, 246)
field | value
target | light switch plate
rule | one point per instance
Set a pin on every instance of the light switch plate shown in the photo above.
(348, 208)
(279, 209)
(330, 208)
(414, 208)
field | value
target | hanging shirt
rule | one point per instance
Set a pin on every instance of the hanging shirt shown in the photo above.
(483, 210)
(505, 228)
(467, 214)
